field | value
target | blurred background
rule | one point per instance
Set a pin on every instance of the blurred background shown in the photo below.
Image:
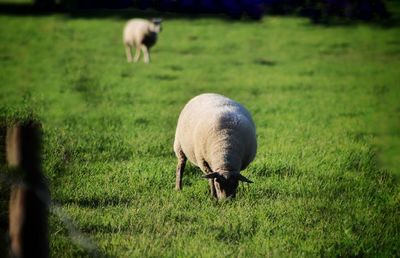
(317, 10)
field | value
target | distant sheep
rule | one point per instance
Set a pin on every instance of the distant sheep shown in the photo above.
(142, 35)
(218, 135)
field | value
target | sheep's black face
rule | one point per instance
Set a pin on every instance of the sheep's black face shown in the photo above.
(157, 28)
(225, 184)
(157, 25)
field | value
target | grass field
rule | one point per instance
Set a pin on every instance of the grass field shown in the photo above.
(325, 101)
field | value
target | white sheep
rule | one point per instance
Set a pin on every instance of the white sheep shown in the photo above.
(142, 35)
(218, 135)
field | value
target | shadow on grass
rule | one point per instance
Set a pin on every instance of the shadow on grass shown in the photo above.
(264, 62)
(164, 77)
(97, 202)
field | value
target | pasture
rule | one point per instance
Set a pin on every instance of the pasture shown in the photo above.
(325, 101)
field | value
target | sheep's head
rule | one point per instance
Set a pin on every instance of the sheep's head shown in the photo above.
(225, 184)
(156, 22)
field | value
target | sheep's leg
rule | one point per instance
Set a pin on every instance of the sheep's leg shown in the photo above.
(208, 170)
(137, 54)
(146, 55)
(128, 53)
(179, 170)
(212, 188)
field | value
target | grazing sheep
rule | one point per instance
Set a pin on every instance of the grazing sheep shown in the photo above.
(218, 135)
(142, 35)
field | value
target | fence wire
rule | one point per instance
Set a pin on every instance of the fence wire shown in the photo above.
(76, 236)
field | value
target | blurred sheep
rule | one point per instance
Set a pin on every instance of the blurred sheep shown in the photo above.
(142, 35)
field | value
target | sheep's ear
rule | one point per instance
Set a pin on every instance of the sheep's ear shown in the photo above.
(244, 179)
(211, 175)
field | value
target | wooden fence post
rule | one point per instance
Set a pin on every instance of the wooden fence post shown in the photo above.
(29, 198)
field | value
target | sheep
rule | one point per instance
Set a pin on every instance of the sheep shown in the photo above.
(218, 135)
(142, 35)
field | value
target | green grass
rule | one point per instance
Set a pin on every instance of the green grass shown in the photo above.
(324, 100)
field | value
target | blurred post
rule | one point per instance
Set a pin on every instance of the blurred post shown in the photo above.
(4, 191)
(29, 197)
